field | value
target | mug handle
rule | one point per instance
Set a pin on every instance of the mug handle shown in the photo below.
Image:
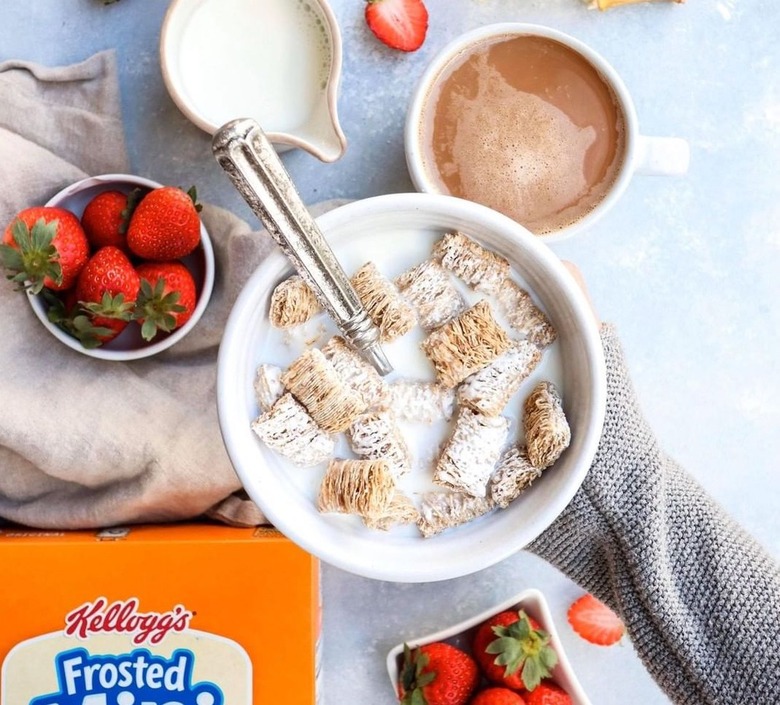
(662, 156)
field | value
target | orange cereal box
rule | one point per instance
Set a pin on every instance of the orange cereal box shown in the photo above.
(190, 614)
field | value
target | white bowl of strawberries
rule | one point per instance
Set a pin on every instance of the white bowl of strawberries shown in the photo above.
(117, 267)
(507, 655)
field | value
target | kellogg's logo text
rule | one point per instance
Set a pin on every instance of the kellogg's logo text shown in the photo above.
(137, 678)
(124, 617)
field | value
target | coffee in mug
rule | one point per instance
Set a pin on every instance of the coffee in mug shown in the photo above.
(531, 123)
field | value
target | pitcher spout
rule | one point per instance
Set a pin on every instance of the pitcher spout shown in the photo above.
(329, 142)
(321, 135)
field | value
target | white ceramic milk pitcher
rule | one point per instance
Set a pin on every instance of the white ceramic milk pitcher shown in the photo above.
(276, 61)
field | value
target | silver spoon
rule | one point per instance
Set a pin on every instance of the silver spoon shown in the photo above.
(249, 159)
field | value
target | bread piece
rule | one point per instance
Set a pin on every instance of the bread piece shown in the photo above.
(479, 267)
(289, 430)
(292, 303)
(401, 510)
(547, 432)
(421, 402)
(389, 311)
(268, 386)
(314, 382)
(512, 475)
(524, 315)
(356, 373)
(364, 487)
(466, 344)
(469, 456)
(375, 435)
(489, 390)
(445, 510)
(433, 294)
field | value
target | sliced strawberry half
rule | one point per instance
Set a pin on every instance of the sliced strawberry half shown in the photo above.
(595, 622)
(401, 24)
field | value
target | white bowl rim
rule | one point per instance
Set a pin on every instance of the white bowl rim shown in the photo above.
(338, 553)
(39, 307)
(534, 602)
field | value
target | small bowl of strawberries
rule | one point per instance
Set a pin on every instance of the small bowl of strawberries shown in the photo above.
(507, 655)
(117, 266)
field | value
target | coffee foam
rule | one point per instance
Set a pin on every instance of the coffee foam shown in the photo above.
(525, 174)
(535, 175)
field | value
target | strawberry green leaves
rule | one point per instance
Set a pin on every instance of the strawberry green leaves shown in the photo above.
(414, 676)
(80, 322)
(520, 646)
(156, 308)
(33, 257)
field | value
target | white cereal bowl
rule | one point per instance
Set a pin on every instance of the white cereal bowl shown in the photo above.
(461, 634)
(396, 231)
(129, 345)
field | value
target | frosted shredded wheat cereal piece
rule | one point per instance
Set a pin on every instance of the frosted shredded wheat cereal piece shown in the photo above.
(524, 315)
(268, 386)
(513, 474)
(489, 390)
(376, 436)
(355, 372)
(480, 268)
(401, 510)
(430, 290)
(314, 382)
(547, 432)
(445, 510)
(466, 344)
(288, 430)
(391, 313)
(422, 402)
(469, 456)
(292, 303)
(364, 487)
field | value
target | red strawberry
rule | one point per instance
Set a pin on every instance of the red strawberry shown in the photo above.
(106, 290)
(513, 651)
(46, 247)
(106, 217)
(437, 674)
(167, 297)
(547, 693)
(595, 622)
(401, 24)
(165, 224)
(497, 696)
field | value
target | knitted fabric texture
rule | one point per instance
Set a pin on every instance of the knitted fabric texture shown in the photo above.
(699, 597)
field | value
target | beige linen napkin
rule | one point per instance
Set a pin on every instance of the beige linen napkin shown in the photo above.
(86, 442)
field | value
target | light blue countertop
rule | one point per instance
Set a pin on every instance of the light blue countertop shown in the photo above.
(688, 268)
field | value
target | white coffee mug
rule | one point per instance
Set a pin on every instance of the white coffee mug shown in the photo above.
(641, 154)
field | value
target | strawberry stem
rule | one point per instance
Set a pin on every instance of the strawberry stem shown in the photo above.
(519, 645)
(155, 309)
(34, 258)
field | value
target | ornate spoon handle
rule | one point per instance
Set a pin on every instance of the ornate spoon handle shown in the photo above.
(249, 159)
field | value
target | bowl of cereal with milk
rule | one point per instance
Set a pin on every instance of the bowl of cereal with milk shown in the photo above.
(470, 447)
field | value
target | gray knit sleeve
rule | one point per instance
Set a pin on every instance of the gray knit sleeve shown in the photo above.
(699, 597)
